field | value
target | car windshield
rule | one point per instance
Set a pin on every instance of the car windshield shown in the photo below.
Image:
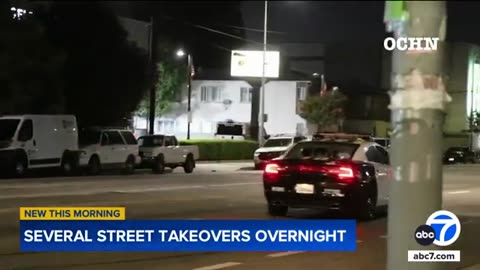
(150, 141)
(88, 137)
(322, 151)
(277, 142)
(8, 128)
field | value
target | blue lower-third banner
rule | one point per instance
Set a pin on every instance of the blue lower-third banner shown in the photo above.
(189, 235)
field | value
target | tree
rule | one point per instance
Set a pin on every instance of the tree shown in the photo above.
(30, 67)
(171, 77)
(323, 110)
(105, 75)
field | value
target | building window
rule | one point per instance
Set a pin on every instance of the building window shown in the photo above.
(211, 94)
(246, 95)
(166, 126)
(302, 91)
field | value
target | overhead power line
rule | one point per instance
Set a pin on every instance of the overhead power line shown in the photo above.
(223, 33)
(253, 29)
(209, 29)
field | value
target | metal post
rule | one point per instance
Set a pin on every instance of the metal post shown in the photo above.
(418, 103)
(262, 89)
(472, 97)
(151, 127)
(189, 82)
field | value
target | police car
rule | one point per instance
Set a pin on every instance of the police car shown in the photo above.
(345, 172)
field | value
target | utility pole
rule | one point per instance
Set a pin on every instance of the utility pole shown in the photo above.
(261, 135)
(189, 82)
(151, 115)
(418, 101)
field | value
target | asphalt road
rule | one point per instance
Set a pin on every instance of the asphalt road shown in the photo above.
(213, 191)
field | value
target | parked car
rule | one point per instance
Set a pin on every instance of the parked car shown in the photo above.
(104, 148)
(38, 141)
(459, 155)
(346, 174)
(274, 147)
(160, 151)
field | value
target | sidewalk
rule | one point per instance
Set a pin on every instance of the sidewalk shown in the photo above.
(225, 166)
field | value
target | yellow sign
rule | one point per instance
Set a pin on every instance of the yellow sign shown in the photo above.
(72, 213)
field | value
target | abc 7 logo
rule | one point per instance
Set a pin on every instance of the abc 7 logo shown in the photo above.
(425, 235)
(442, 229)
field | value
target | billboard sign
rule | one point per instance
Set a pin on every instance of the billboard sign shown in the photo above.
(249, 64)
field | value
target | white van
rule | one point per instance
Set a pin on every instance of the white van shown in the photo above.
(38, 141)
(232, 130)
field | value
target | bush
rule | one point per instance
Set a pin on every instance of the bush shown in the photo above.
(223, 149)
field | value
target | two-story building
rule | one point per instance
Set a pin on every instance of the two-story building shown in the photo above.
(214, 101)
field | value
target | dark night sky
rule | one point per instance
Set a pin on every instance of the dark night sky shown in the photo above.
(326, 21)
(301, 21)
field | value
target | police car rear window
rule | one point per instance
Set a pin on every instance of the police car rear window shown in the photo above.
(277, 142)
(322, 150)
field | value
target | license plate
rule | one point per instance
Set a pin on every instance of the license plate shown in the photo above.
(304, 189)
(333, 192)
(278, 189)
(451, 159)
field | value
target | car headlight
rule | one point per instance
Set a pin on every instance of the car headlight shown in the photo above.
(256, 154)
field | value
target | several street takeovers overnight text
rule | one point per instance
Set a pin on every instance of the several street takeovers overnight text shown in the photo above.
(184, 236)
(107, 229)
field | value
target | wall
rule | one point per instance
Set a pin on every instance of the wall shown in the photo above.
(375, 128)
(281, 108)
(367, 106)
(455, 120)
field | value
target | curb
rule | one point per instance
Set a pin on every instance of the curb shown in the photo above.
(247, 169)
(223, 161)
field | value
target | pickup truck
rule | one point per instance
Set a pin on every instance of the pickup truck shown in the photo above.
(160, 151)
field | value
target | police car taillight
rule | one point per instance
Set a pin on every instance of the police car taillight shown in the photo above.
(272, 171)
(271, 168)
(344, 173)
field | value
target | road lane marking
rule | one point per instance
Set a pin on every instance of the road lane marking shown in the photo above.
(458, 192)
(233, 184)
(39, 182)
(123, 190)
(283, 254)
(218, 266)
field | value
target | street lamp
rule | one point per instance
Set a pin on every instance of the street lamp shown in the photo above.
(181, 53)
